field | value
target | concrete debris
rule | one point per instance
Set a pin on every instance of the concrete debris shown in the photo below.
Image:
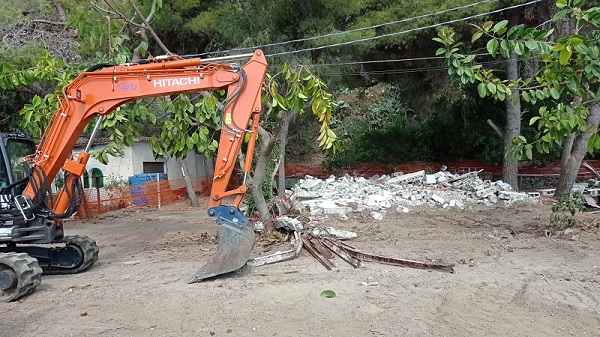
(279, 256)
(370, 281)
(410, 177)
(288, 223)
(508, 195)
(331, 232)
(547, 191)
(589, 201)
(437, 198)
(593, 183)
(402, 209)
(376, 215)
(579, 188)
(282, 206)
(327, 206)
(310, 183)
(430, 179)
(342, 196)
(259, 226)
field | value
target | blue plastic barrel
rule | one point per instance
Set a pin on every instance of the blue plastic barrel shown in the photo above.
(136, 188)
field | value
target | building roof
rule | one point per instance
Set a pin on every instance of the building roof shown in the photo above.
(83, 140)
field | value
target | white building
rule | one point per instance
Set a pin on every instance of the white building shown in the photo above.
(138, 159)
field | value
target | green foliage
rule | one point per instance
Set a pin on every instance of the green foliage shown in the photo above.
(27, 70)
(391, 131)
(301, 146)
(17, 10)
(117, 187)
(563, 212)
(103, 38)
(570, 71)
(188, 127)
(46, 69)
(292, 91)
(295, 89)
(230, 24)
(401, 139)
(121, 126)
(115, 180)
(59, 181)
(189, 26)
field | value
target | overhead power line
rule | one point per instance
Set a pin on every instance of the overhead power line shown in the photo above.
(374, 26)
(404, 31)
(351, 30)
(383, 61)
(377, 61)
(397, 71)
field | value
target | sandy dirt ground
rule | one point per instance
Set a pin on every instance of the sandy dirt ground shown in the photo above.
(510, 280)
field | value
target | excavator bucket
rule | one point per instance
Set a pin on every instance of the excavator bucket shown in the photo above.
(235, 245)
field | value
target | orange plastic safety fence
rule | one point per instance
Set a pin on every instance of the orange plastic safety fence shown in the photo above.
(151, 194)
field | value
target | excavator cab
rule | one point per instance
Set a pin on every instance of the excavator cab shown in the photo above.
(13, 148)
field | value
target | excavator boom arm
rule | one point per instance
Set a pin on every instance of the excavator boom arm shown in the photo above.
(100, 92)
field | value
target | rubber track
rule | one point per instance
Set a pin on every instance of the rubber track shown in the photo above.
(28, 272)
(90, 255)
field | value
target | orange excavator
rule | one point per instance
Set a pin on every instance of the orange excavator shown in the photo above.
(32, 240)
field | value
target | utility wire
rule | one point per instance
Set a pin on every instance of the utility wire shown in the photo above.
(377, 61)
(383, 61)
(399, 71)
(349, 31)
(405, 31)
(383, 72)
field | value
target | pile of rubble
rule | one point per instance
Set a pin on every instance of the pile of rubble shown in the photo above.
(400, 192)
(375, 196)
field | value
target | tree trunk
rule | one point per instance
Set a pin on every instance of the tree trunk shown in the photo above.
(188, 183)
(260, 172)
(259, 199)
(510, 169)
(574, 150)
(287, 118)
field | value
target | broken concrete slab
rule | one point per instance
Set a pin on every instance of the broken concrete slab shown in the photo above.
(409, 177)
(289, 223)
(437, 198)
(331, 232)
(376, 215)
(324, 206)
(547, 191)
(402, 209)
(509, 195)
